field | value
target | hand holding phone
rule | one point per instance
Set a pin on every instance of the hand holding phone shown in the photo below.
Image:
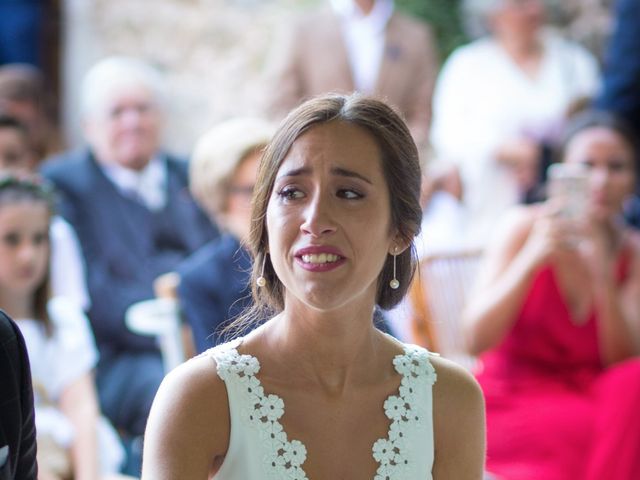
(568, 187)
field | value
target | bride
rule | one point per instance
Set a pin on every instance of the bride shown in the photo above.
(317, 391)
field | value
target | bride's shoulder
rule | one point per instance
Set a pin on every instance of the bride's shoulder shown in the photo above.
(190, 404)
(194, 386)
(200, 378)
(458, 420)
(455, 383)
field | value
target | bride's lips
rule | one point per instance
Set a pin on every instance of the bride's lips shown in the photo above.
(317, 250)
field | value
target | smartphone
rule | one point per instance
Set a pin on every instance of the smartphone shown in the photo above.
(568, 185)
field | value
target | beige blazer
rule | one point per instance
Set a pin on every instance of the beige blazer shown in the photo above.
(313, 60)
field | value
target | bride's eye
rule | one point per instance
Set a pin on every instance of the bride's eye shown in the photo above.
(290, 193)
(349, 194)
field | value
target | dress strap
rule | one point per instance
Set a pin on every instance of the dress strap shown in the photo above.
(409, 414)
(624, 261)
(260, 411)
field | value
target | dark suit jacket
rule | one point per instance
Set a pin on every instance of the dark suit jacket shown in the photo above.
(126, 246)
(214, 288)
(17, 421)
(621, 81)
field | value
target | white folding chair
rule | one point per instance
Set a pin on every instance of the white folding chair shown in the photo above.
(438, 295)
(159, 317)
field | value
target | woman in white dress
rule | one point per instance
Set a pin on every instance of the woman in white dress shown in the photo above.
(73, 440)
(497, 101)
(317, 391)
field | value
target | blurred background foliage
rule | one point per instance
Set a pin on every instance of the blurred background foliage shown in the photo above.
(444, 18)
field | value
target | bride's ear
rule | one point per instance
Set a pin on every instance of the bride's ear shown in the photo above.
(398, 246)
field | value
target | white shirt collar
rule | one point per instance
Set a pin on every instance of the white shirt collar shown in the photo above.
(377, 18)
(148, 184)
(364, 37)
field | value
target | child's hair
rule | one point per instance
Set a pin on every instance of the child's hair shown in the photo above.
(29, 189)
(12, 124)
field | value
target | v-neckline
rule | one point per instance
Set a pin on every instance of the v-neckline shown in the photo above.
(580, 321)
(575, 320)
(401, 408)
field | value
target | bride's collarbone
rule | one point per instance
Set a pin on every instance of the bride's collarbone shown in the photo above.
(336, 428)
(338, 441)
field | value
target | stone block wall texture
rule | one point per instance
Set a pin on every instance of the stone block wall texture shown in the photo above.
(213, 53)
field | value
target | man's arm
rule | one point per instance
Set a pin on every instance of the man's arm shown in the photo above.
(17, 418)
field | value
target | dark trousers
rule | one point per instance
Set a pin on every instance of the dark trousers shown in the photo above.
(127, 384)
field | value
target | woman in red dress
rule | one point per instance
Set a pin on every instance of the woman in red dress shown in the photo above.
(555, 321)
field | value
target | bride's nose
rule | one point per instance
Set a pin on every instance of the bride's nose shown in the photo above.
(318, 219)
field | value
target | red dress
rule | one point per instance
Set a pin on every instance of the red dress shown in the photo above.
(554, 412)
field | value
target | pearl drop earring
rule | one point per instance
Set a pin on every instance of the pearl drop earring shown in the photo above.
(261, 281)
(394, 283)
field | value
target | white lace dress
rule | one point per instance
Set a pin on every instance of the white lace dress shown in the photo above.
(260, 449)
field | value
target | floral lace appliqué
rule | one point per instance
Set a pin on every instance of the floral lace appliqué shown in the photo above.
(263, 412)
(285, 458)
(403, 410)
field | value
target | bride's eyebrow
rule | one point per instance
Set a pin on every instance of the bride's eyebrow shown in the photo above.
(342, 172)
(296, 172)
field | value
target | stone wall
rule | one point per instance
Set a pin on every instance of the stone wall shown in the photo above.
(212, 52)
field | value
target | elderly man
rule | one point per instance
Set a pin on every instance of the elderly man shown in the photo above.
(135, 219)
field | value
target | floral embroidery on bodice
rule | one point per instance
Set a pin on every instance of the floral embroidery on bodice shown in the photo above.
(284, 458)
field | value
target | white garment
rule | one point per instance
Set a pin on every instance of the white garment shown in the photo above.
(364, 37)
(56, 362)
(148, 184)
(483, 99)
(259, 447)
(67, 264)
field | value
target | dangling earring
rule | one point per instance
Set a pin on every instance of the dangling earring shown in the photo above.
(261, 281)
(394, 284)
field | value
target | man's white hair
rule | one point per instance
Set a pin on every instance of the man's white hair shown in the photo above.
(114, 74)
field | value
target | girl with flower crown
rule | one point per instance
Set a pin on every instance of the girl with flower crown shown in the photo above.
(74, 442)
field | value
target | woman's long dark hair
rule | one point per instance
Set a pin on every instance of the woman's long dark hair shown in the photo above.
(401, 169)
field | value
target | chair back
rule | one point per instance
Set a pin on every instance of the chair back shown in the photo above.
(438, 296)
(161, 318)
